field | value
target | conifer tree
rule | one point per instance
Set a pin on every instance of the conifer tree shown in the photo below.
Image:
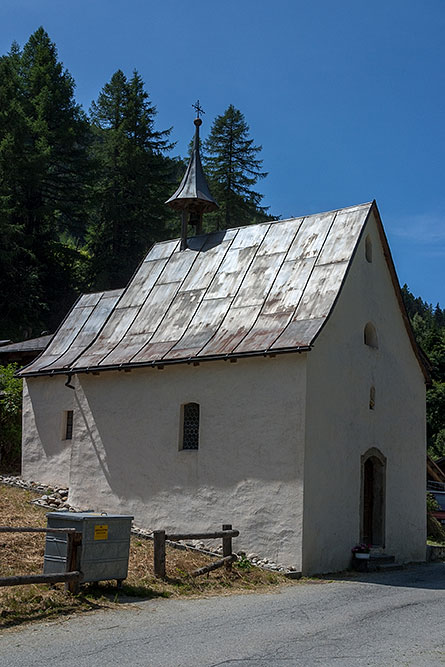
(43, 171)
(133, 180)
(233, 167)
(58, 131)
(18, 280)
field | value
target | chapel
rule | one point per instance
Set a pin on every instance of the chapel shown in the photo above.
(265, 376)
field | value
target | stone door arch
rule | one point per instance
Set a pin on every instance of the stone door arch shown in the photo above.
(373, 495)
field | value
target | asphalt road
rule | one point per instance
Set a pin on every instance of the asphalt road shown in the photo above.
(395, 618)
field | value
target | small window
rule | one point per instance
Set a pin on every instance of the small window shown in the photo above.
(68, 430)
(372, 398)
(190, 426)
(370, 335)
(368, 249)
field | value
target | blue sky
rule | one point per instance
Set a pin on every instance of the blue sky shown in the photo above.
(346, 98)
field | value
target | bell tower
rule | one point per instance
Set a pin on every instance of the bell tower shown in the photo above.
(193, 197)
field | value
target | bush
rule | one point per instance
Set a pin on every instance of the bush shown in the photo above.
(10, 418)
(435, 530)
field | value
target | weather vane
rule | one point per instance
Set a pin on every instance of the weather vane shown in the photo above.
(198, 108)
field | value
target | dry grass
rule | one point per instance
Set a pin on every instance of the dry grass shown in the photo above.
(23, 554)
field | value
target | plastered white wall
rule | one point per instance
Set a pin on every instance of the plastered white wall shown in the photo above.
(248, 470)
(45, 454)
(341, 427)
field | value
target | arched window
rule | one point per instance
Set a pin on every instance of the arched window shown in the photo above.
(190, 426)
(370, 335)
(368, 249)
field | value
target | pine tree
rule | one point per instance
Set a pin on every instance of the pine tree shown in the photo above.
(18, 279)
(133, 180)
(233, 167)
(43, 171)
(59, 137)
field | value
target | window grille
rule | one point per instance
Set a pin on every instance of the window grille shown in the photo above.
(190, 428)
(372, 398)
(69, 425)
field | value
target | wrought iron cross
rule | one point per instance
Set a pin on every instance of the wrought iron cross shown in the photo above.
(198, 108)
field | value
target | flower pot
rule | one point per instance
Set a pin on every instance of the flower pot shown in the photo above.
(362, 556)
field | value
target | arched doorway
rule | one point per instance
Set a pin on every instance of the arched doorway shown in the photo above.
(373, 498)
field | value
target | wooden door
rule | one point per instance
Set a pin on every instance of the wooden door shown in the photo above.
(368, 501)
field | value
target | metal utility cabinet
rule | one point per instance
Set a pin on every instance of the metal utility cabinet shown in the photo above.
(105, 545)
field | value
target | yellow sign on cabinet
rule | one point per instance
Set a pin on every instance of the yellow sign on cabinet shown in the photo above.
(101, 531)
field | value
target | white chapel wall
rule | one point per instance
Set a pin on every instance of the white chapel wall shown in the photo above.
(341, 426)
(249, 467)
(45, 452)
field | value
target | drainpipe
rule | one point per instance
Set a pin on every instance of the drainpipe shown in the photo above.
(67, 383)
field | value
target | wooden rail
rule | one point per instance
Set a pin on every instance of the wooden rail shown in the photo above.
(202, 536)
(22, 579)
(214, 566)
(9, 529)
(71, 576)
(226, 534)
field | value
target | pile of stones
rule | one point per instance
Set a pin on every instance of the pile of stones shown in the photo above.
(55, 499)
(52, 498)
(13, 480)
(256, 560)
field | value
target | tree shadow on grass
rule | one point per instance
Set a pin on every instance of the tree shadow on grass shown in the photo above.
(21, 613)
(125, 594)
(20, 607)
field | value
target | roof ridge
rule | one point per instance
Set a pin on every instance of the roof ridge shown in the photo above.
(268, 222)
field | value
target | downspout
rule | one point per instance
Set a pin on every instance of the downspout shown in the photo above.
(76, 399)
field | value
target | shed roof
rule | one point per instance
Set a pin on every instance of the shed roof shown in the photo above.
(260, 289)
(29, 345)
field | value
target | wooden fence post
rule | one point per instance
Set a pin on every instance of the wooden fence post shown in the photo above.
(227, 546)
(73, 541)
(159, 553)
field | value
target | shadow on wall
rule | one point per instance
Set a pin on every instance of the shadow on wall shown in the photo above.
(140, 461)
(45, 418)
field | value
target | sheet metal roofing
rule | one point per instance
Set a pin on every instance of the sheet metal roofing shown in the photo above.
(30, 345)
(253, 290)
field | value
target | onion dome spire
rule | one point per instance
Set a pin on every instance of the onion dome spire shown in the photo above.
(193, 197)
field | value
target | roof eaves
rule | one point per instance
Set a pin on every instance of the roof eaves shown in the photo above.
(334, 303)
(423, 360)
(168, 362)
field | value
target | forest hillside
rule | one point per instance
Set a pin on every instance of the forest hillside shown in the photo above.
(429, 328)
(82, 192)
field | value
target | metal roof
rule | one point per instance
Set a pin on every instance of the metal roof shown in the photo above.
(253, 290)
(29, 345)
(76, 332)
